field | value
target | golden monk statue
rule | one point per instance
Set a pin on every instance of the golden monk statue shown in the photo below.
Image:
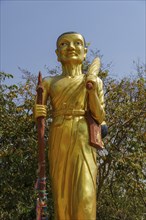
(72, 161)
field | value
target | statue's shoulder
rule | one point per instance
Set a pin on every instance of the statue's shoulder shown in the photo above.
(48, 80)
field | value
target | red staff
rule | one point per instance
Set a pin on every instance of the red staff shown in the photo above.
(41, 181)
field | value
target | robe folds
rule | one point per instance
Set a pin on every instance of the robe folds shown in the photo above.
(72, 161)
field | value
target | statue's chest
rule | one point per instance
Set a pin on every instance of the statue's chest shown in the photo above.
(70, 92)
(67, 86)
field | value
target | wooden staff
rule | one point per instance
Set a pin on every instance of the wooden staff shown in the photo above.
(41, 182)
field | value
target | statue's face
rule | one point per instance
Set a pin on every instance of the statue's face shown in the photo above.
(71, 49)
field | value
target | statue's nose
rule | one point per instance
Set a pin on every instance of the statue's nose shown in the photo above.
(71, 45)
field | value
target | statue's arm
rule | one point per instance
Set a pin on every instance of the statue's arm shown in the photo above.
(96, 101)
(41, 110)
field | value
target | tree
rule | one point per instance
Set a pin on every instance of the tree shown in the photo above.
(18, 149)
(121, 182)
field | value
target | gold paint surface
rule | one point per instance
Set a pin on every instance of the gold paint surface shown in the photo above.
(72, 161)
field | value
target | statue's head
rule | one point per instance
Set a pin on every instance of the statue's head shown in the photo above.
(71, 48)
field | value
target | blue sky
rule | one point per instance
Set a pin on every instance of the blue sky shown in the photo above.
(29, 30)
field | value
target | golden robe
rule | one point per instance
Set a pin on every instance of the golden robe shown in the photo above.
(72, 161)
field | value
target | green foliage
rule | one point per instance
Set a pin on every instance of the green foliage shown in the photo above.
(18, 151)
(121, 179)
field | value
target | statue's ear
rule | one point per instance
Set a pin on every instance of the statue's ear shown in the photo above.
(85, 52)
(57, 53)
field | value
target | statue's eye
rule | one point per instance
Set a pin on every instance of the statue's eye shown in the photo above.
(63, 44)
(78, 43)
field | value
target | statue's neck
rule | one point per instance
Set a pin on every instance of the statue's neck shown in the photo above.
(71, 70)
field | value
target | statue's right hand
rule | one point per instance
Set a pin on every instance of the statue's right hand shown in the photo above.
(39, 110)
